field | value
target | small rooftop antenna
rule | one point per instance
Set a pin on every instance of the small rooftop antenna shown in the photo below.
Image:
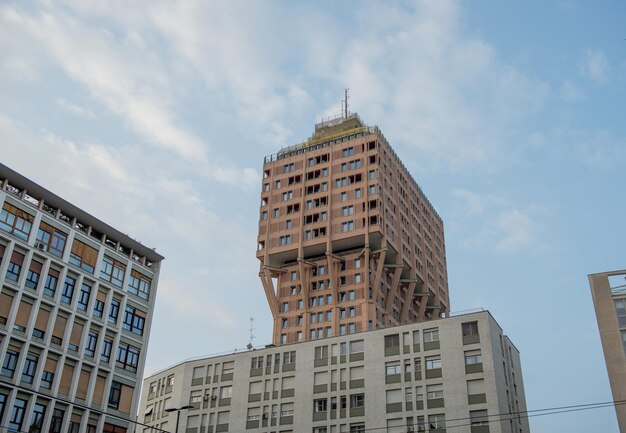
(345, 103)
(249, 346)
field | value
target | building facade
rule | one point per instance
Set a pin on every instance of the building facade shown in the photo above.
(75, 311)
(459, 373)
(347, 240)
(608, 291)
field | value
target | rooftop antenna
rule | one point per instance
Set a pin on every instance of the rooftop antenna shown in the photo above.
(345, 103)
(249, 346)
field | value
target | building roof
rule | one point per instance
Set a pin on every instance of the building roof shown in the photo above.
(35, 190)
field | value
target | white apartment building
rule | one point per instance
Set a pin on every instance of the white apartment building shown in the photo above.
(76, 301)
(455, 374)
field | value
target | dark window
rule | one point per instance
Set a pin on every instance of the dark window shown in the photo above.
(134, 320)
(105, 354)
(46, 379)
(98, 308)
(357, 400)
(36, 419)
(470, 328)
(68, 290)
(114, 310)
(392, 341)
(30, 364)
(127, 357)
(56, 421)
(83, 298)
(51, 285)
(139, 285)
(13, 270)
(10, 360)
(92, 339)
(114, 395)
(32, 279)
(17, 415)
(112, 271)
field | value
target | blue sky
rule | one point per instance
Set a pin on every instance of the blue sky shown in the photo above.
(155, 116)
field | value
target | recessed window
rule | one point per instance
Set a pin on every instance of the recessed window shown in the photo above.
(16, 221)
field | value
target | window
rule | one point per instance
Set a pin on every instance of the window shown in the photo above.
(344, 196)
(479, 417)
(114, 395)
(127, 357)
(277, 184)
(437, 422)
(357, 278)
(264, 215)
(348, 151)
(470, 328)
(134, 320)
(285, 307)
(319, 405)
(433, 363)
(30, 364)
(357, 193)
(83, 256)
(90, 347)
(288, 224)
(15, 266)
(347, 210)
(294, 275)
(32, 278)
(288, 168)
(98, 308)
(68, 290)
(105, 353)
(372, 174)
(287, 195)
(15, 221)
(351, 312)
(57, 421)
(283, 338)
(112, 271)
(431, 335)
(52, 280)
(357, 428)
(357, 263)
(473, 357)
(139, 285)
(51, 239)
(372, 189)
(285, 240)
(36, 419)
(324, 186)
(46, 379)
(83, 298)
(347, 226)
(357, 400)
(620, 310)
(289, 357)
(10, 360)
(351, 295)
(114, 310)
(17, 415)
(434, 391)
(276, 212)
(392, 368)
(351, 328)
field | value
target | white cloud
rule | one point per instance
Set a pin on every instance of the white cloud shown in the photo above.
(595, 66)
(70, 107)
(570, 92)
(492, 222)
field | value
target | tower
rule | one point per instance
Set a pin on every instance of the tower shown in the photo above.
(348, 241)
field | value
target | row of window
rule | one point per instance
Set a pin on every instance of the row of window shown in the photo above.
(112, 271)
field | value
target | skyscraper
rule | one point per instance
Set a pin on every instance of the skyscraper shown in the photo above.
(608, 290)
(348, 241)
(75, 311)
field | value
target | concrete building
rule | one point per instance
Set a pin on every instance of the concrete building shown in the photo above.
(457, 374)
(347, 240)
(75, 312)
(608, 290)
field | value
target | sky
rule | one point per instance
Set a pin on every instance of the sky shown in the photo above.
(155, 117)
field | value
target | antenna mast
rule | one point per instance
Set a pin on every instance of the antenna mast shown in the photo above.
(345, 103)
(250, 346)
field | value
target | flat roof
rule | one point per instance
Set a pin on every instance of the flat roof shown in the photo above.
(37, 191)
